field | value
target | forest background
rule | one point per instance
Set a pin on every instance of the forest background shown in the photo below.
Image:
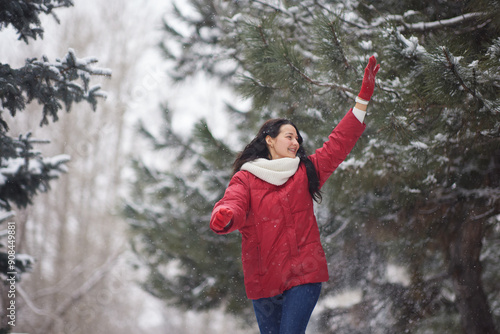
(82, 279)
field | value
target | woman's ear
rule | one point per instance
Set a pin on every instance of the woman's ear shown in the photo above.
(269, 141)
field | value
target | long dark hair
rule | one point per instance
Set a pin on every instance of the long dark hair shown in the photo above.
(258, 149)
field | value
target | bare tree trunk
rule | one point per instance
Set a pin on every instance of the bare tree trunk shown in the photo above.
(465, 270)
(78, 294)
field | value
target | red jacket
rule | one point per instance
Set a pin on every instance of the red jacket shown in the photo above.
(281, 245)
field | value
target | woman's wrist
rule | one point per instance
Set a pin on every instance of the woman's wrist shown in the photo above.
(361, 106)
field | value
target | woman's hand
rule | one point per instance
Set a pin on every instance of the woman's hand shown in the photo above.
(368, 84)
(222, 218)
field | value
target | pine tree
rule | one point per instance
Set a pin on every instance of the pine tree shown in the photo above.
(54, 85)
(166, 215)
(421, 188)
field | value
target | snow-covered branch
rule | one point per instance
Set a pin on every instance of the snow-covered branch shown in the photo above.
(425, 26)
(24, 172)
(403, 26)
(52, 84)
(452, 64)
(24, 15)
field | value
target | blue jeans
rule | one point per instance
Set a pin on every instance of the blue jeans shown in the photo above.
(289, 312)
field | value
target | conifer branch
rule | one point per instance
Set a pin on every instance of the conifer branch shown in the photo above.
(270, 6)
(262, 36)
(315, 82)
(472, 29)
(453, 69)
(322, 6)
(426, 26)
(306, 7)
(389, 90)
(337, 43)
(414, 27)
(260, 84)
(277, 9)
(338, 231)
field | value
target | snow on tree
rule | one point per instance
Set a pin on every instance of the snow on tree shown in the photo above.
(421, 190)
(24, 15)
(54, 85)
(167, 223)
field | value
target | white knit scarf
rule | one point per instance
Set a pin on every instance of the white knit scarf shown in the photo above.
(276, 171)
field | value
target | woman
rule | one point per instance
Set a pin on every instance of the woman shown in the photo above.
(269, 200)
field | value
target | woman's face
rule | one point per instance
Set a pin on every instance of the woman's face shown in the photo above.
(285, 145)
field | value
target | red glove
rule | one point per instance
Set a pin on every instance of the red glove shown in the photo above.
(368, 84)
(222, 218)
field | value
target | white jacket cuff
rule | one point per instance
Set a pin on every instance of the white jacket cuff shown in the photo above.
(360, 114)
